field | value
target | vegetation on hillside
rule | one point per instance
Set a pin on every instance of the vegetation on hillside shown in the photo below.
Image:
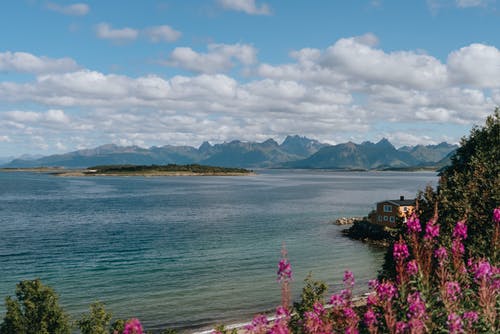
(170, 168)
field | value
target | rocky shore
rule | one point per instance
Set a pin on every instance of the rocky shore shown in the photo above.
(347, 220)
(365, 231)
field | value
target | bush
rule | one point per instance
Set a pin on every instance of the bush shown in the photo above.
(35, 310)
(97, 321)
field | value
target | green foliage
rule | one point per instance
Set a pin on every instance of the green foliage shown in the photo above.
(222, 329)
(312, 292)
(35, 310)
(118, 326)
(172, 168)
(95, 322)
(470, 187)
(169, 331)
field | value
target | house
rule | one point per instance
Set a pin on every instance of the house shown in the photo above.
(390, 211)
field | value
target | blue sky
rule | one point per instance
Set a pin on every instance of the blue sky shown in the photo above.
(77, 75)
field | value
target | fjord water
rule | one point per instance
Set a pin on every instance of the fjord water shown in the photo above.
(186, 252)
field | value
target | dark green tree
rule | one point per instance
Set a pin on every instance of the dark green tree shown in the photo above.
(34, 310)
(470, 187)
(97, 321)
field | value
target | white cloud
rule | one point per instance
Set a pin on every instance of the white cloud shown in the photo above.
(28, 63)
(476, 64)
(219, 58)
(246, 6)
(335, 94)
(77, 9)
(27, 117)
(163, 33)
(357, 59)
(4, 139)
(105, 31)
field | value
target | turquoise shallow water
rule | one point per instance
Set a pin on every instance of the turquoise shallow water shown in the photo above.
(186, 252)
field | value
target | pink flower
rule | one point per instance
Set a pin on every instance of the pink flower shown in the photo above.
(349, 313)
(370, 318)
(348, 279)
(401, 327)
(351, 330)
(386, 291)
(431, 230)
(372, 299)
(372, 284)
(337, 300)
(412, 268)
(416, 306)
(482, 270)
(460, 230)
(346, 294)
(400, 251)
(284, 270)
(453, 291)
(280, 325)
(496, 215)
(258, 325)
(471, 317)
(416, 325)
(441, 254)
(133, 326)
(454, 324)
(413, 224)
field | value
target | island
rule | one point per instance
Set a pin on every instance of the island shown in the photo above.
(155, 170)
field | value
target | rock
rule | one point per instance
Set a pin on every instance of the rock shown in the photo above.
(347, 220)
(367, 232)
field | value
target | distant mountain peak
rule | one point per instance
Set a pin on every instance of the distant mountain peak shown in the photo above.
(205, 146)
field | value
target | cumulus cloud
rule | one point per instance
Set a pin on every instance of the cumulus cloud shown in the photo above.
(476, 64)
(4, 139)
(246, 6)
(27, 63)
(219, 58)
(349, 90)
(77, 9)
(25, 117)
(163, 33)
(105, 31)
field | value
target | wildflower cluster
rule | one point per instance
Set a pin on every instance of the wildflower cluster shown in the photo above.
(436, 289)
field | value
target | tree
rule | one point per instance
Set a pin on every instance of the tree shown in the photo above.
(469, 189)
(95, 322)
(35, 310)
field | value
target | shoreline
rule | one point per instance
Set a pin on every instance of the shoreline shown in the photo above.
(358, 302)
(152, 174)
(62, 172)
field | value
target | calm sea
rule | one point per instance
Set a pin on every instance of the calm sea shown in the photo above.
(186, 252)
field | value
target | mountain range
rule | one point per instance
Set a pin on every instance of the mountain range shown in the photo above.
(293, 152)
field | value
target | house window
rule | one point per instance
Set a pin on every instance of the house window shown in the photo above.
(405, 209)
(385, 218)
(387, 208)
(379, 218)
(392, 219)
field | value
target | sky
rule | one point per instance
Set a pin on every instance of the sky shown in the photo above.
(77, 75)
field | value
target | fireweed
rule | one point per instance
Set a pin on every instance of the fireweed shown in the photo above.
(133, 326)
(434, 292)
